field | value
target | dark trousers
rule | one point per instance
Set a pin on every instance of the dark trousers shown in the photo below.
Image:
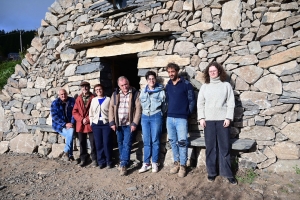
(217, 141)
(83, 146)
(103, 142)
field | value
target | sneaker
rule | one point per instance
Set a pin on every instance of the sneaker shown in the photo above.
(71, 158)
(211, 178)
(65, 156)
(175, 168)
(145, 167)
(154, 167)
(232, 181)
(123, 171)
(94, 163)
(182, 171)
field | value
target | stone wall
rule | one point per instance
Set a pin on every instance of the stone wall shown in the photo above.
(256, 41)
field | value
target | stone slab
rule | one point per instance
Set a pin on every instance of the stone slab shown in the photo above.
(162, 61)
(282, 166)
(4, 147)
(120, 49)
(23, 143)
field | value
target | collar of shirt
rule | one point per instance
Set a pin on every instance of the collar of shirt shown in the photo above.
(129, 91)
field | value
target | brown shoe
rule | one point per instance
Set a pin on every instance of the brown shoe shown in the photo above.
(182, 171)
(65, 156)
(175, 168)
(123, 171)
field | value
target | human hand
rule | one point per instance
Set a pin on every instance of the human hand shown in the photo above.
(203, 123)
(113, 127)
(69, 125)
(132, 128)
(84, 121)
(226, 123)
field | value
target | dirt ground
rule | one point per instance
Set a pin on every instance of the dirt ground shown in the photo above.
(24, 176)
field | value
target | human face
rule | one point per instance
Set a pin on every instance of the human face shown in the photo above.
(99, 91)
(124, 85)
(85, 89)
(213, 72)
(173, 74)
(63, 95)
(151, 81)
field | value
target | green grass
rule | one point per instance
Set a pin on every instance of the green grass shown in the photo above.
(7, 68)
(247, 177)
(297, 169)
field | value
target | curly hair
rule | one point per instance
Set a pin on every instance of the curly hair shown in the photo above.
(220, 69)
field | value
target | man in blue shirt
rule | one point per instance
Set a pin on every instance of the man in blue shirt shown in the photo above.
(181, 102)
(63, 121)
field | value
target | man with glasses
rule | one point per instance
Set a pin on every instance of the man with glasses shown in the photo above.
(63, 121)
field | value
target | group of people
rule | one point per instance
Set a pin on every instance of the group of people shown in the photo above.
(98, 116)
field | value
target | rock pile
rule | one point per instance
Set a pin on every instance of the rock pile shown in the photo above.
(257, 42)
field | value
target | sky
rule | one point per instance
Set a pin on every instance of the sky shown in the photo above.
(22, 14)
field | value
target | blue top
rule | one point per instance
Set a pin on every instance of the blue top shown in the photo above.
(100, 102)
(180, 98)
(59, 119)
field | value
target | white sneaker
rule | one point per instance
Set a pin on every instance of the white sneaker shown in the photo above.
(154, 167)
(145, 167)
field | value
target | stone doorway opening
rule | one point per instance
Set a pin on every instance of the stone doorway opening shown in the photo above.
(122, 65)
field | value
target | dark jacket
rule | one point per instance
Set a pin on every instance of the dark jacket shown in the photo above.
(57, 113)
(80, 112)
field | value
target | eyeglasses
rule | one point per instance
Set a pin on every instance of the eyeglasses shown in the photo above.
(151, 79)
(214, 71)
(98, 89)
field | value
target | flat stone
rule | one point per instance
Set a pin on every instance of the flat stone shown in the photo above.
(20, 115)
(50, 18)
(143, 28)
(254, 47)
(256, 157)
(4, 147)
(292, 132)
(277, 109)
(23, 143)
(257, 133)
(162, 61)
(252, 99)
(242, 60)
(281, 34)
(292, 89)
(56, 151)
(88, 68)
(41, 83)
(68, 55)
(51, 30)
(70, 70)
(276, 120)
(282, 166)
(231, 15)
(292, 20)
(201, 26)
(289, 6)
(270, 84)
(201, 159)
(240, 84)
(198, 4)
(121, 48)
(169, 161)
(249, 73)
(279, 58)
(44, 150)
(178, 6)
(188, 5)
(286, 150)
(37, 44)
(263, 30)
(172, 25)
(29, 92)
(285, 69)
(21, 126)
(271, 17)
(215, 36)
(183, 48)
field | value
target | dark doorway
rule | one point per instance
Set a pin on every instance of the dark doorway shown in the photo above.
(123, 65)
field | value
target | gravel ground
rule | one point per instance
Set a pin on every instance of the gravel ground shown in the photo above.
(24, 176)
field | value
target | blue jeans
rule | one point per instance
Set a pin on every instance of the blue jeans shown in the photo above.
(68, 134)
(217, 141)
(177, 133)
(124, 144)
(103, 142)
(152, 128)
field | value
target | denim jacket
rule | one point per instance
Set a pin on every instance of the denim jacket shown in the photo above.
(153, 101)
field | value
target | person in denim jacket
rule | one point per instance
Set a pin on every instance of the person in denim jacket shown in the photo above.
(152, 99)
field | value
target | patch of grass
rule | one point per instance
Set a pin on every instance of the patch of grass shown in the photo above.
(7, 68)
(247, 177)
(297, 169)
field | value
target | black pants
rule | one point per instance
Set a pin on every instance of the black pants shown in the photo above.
(83, 146)
(103, 142)
(217, 141)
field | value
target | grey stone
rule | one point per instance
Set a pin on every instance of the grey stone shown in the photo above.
(281, 34)
(280, 137)
(231, 20)
(259, 121)
(270, 84)
(81, 19)
(201, 26)
(4, 147)
(242, 60)
(257, 133)
(171, 25)
(198, 4)
(266, 163)
(277, 109)
(282, 166)
(68, 55)
(44, 150)
(52, 19)
(56, 151)
(51, 30)
(254, 47)
(291, 117)
(21, 126)
(252, 100)
(52, 138)
(53, 43)
(285, 69)
(23, 143)
(243, 163)
(88, 68)
(256, 157)
(183, 48)
(29, 92)
(292, 131)
(20, 71)
(286, 150)
(249, 73)
(271, 17)
(276, 120)
(263, 30)
(37, 44)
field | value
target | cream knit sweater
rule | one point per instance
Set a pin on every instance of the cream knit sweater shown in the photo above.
(215, 101)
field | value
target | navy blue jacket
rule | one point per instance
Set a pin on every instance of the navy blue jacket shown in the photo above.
(180, 98)
(57, 113)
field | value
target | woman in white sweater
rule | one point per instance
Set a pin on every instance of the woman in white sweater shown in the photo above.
(215, 111)
(98, 114)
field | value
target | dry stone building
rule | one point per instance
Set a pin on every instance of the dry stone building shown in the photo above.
(258, 43)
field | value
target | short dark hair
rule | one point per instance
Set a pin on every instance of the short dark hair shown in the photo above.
(173, 66)
(150, 73)
(220, 69)
(99, 85)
